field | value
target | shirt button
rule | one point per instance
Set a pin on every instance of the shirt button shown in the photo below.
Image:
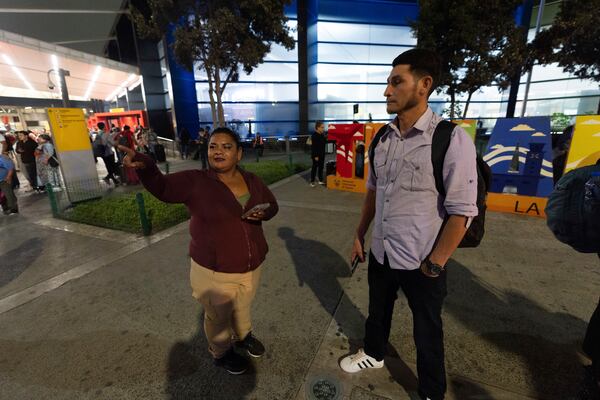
(385, 220)
(393, 180)
(387, 201)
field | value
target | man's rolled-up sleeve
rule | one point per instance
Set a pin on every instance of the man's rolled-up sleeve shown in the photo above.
(460, 175)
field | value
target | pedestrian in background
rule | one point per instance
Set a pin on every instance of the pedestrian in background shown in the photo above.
(317, 153)
(46, 162)
(26, 149)
(7, 174)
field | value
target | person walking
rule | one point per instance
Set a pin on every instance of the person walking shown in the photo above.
(416, 229)
(108, 156)
(184, 143)
(26, 149)
(318, 141)
(259, 145)
(203, 147)
(228, 245)
(126, 138)
(46, 162)
(7, 174)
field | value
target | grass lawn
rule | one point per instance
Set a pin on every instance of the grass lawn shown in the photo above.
(120, 211)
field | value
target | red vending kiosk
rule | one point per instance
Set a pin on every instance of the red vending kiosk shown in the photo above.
(132, 118)
(352, 160)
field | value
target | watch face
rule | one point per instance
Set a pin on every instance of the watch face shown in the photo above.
(435, 269)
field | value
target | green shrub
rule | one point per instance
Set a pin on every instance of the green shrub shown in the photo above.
(120, 211)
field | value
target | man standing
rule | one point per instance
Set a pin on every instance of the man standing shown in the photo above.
(26, 148)
(416, 229)
(109, 155)
(7, 174)
(318, 153)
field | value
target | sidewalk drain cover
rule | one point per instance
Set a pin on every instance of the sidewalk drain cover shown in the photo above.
(322, 388)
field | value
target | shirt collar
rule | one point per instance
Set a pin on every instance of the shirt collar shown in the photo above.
(420, 126)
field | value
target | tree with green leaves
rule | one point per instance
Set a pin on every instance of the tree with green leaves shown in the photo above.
(219, 36)
(479, 43)
(573, 40)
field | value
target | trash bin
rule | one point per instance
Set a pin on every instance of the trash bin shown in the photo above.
(330, 168)
(330, 147)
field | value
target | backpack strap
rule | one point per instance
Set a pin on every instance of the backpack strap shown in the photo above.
(439, 146)
(373, 145)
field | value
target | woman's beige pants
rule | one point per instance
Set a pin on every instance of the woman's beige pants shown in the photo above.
(226, 299)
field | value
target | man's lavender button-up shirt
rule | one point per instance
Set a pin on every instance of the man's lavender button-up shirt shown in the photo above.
(409, 211)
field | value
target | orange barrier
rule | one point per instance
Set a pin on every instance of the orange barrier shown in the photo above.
(515, 204)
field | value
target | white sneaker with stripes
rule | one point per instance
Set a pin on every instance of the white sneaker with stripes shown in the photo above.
(359, 361)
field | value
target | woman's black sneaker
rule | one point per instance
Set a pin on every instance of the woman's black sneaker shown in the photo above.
(234, 363)
(252, 345)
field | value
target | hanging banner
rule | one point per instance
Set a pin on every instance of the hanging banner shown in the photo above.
(585, 145)
(520, 156)
(74, 151)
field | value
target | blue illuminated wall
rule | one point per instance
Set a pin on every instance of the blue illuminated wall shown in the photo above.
(184, 93)
(352, 45)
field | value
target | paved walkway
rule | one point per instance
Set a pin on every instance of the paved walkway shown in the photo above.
(87, 313)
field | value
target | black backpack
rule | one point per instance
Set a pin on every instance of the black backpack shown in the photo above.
(439, 147)
(573, 219)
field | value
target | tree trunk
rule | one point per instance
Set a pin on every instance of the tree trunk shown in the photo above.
(220, 113)
(211, 95)
(467, 105)
(452, 103)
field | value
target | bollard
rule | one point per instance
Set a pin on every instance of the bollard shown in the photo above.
(167, 167)
(290, 160)
(146, 224)
(52, 198)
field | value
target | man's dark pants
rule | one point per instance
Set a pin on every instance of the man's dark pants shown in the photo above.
(425, 297)
(317, 165)
(111, 168)
(31, 170)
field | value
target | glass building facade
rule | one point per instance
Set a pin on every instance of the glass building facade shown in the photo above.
(349, 48)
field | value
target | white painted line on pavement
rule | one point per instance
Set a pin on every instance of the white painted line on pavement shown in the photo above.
(318, 207)
(87, 230)
(35, 291)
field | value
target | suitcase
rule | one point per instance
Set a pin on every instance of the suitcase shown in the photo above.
(159, 150)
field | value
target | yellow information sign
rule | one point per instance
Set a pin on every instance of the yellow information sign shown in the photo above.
(69, 130)
(585, 146)
(115, 110)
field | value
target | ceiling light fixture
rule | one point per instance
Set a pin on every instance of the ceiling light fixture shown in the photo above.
(120, 88)
(16, 70)
(92, 82)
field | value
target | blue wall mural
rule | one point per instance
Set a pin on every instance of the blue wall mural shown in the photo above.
(520, 156)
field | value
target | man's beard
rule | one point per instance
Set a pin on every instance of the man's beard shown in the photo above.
(411, 103)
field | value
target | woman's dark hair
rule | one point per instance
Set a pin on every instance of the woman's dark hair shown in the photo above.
(101, 125)
(46, 137)
(230, 133)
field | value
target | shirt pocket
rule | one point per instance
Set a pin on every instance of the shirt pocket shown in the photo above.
(379, 163)
(417, 171)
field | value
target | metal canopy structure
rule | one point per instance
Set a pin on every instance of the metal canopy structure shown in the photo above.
(25, 62)
(84, 25)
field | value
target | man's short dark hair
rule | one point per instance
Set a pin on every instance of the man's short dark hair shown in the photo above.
(318, 124)
(422, 62)
(101, 125)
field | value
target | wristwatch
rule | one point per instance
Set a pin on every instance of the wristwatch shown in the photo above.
(433, 268)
